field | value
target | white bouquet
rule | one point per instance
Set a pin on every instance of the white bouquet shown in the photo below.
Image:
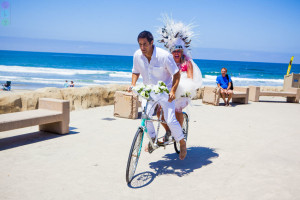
(152, 90)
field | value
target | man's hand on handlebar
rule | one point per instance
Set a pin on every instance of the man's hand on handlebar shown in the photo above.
(129, 89)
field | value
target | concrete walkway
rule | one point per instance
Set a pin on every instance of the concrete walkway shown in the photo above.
(242, 152)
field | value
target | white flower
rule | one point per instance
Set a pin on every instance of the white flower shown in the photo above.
(148, 88)
(161, 83)
(163, 87)
(143, 93)
(139, 88)
(156, 89)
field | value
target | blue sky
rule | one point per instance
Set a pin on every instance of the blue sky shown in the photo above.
(230, 30)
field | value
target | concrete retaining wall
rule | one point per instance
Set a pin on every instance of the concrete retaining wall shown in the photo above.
(80, 98)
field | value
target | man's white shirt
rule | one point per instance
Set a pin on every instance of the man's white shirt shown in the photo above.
(162, 67)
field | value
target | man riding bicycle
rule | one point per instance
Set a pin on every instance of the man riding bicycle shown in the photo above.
(155, 64)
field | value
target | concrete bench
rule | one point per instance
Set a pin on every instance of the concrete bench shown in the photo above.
(212, 95)
(53, 115)
(292, 94)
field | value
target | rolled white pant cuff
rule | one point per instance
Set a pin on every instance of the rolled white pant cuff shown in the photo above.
(179, 138)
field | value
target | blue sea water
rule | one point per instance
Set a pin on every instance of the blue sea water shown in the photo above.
(31, 70)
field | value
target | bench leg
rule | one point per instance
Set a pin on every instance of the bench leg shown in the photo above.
(60, 127)
(56, 127)
(291, 100)
(239, 100)
(254, 93)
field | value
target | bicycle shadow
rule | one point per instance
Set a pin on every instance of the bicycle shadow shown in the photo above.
(197, 157)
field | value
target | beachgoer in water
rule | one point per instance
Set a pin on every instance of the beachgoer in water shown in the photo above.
(66, 84)
(72, 84)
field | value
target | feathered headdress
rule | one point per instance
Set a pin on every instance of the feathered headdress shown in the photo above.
(176, 35)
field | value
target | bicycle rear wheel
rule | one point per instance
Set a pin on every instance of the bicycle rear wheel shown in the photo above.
(185, 129)
(134, 154)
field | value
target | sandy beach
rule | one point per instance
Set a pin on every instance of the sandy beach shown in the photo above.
(242, 152)
(14, 91)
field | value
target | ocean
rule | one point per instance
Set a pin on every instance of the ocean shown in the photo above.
(32, 70)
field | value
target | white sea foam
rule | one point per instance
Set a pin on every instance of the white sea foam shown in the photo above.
(116, 82)
(36, 72)
(47, 81)
(45, 70)
(121, 74)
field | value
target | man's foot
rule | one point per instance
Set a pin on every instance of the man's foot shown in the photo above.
(148, 147)
(183, 150)
(225, 102)
(167, 136)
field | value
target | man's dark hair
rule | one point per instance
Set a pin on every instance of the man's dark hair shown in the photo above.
(147, 35)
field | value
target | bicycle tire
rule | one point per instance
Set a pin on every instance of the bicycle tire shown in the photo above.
(134, 155)
(185, 129)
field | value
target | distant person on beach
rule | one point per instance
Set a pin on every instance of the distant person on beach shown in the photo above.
(66, 84)
(72, 84)
(155, 64)
(224, 83)
(6, 86)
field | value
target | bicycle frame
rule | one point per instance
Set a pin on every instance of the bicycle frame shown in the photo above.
(145, 117)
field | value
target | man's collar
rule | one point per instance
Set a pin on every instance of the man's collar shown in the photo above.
(154, 52)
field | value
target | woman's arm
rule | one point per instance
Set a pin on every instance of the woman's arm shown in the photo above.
(190, 70)
(176, 79)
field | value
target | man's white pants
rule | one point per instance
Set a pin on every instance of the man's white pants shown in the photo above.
(170, 118)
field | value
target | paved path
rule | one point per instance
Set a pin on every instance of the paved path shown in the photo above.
(243, 152)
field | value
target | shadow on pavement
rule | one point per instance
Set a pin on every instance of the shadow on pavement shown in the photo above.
(197, 157)
(30, 138)
(108, 119)
(141, 180)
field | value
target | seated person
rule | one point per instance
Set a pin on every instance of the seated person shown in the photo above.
(7, 86)
(224, 83)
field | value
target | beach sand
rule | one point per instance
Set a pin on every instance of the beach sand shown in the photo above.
(14, 91)
(241, 152)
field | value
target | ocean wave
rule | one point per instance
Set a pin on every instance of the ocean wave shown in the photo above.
(45, 70)
(115, 82)
(121, 74)
(37, 73)
(47, 81)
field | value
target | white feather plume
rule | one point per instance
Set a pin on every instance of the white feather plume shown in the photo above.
(175, 33)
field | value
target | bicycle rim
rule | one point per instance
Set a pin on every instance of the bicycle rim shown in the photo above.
(134, 155)
(185, 129)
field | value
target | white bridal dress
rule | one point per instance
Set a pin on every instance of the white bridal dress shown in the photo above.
(187, 87)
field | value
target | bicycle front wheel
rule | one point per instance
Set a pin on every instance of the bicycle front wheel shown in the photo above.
(134, 154)
(185, 129)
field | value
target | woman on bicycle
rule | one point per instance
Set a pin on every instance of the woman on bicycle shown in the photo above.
(176, 37)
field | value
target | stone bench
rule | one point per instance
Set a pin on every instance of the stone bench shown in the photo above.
(212, 95)
(53, 115)
(292, 94)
